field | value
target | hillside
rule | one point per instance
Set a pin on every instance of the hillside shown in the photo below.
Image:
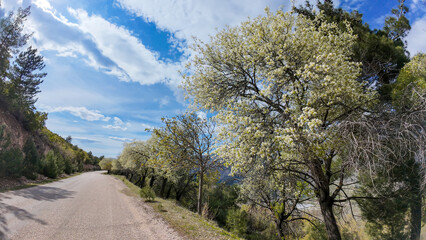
(19, 135)
(31, 152)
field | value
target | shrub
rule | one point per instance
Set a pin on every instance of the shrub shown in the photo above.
(12, 161)
(68, 166)
(317, 232)
(147, 193)
(237, 221)
(50, 167)
(221, 199)
(31, 160)
(60, 162)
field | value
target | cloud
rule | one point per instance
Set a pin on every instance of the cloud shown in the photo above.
(146, 126)
(187, 18)
(416, 37)
(117, 125)
(81, 112)
(134, 62)
(119, 139)
(100, 44)
(86, 140)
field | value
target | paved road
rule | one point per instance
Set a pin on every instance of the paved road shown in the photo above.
(89, 206)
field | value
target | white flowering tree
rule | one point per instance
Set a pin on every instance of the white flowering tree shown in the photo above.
(280, 85)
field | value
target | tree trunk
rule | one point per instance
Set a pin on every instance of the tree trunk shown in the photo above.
(143, 181)
(178, 195)
(333, 232)
(416, 207)
(163, 187)
(200, 192)
(169, 191)
(279, 229)
(324, 198)
(151, 181)
(137, 183)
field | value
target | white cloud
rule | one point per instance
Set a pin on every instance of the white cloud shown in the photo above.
(117, 125)
(86, 139)
(133, 60)
(100, 44)
(146, 126)
(81, 112)
(120, 139)
(187, 18)
(416, 39)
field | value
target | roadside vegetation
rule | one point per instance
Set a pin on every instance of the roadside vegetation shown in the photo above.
(27, 147)
(314, 130)
(186, 222)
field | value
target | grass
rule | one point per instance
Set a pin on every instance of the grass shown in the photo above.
(186, 222)
(28, 185)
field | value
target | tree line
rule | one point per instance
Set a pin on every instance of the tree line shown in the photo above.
(309, 108)
(21, 73)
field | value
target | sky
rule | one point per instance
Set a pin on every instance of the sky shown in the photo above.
(114, 65)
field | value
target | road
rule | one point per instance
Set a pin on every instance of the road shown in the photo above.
(88, 206)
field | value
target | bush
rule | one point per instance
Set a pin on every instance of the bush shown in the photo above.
(60, 162)
(31, 160)
(317, 232)
(50, 167)
(237, 221)
(68, 166)
(12, 161)
(147, 193)
(221, 199)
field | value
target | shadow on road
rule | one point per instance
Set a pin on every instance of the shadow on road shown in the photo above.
(40, 193)
(19, 213)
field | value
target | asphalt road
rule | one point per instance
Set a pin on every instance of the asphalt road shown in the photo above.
(89, 206)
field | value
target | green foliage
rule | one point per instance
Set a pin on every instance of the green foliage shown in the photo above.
(397, 26)
(31, 160)
(317, 232)
(68, 167)
(186, 142)
(147, 193)
(410, 88)
(385, 215)
(381, 55)
(20, 79)
(237, 221)
(12, 38)
(106, 164)
(50, 165)
(11, 159)
(221, 199)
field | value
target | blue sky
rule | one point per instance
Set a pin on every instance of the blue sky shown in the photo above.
(113, 65)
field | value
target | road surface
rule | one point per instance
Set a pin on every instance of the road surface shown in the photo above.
(89, 206)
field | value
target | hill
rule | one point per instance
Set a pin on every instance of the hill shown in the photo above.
(27, 147)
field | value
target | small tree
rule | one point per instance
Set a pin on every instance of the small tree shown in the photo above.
(31, 160)
(11, 159)
(189, 140)
(50, 166)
